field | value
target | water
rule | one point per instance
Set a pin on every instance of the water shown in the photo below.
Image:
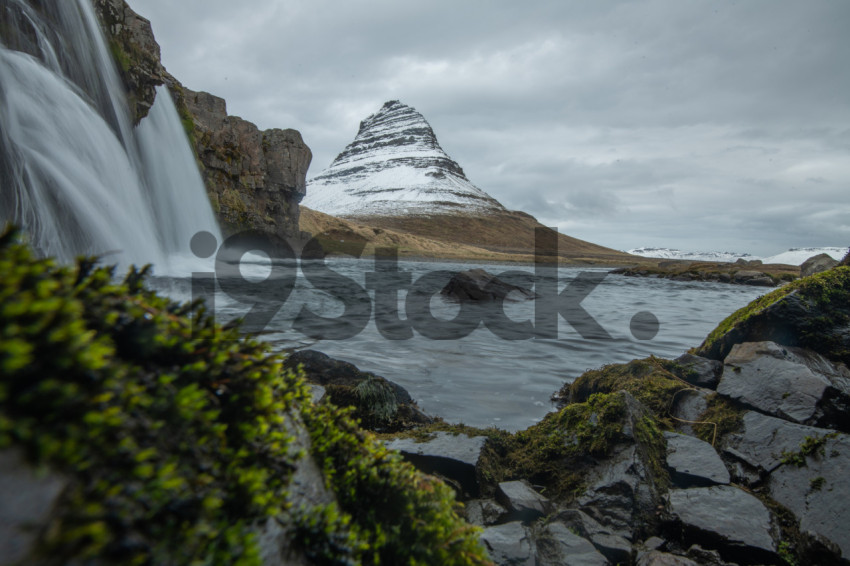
(74, 172)
(483, 380)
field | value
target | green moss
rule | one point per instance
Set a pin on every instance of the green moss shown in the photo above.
(652, 381)
(177, 437)
(816, 484)
(829, 291)
(119, 55)
(811, 446)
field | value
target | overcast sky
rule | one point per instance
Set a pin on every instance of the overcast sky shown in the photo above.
(703, 125)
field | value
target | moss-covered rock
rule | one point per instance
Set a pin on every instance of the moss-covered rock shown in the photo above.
(180, 439)
(812, 313)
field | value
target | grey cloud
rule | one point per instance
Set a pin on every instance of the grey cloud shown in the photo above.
(652, 123)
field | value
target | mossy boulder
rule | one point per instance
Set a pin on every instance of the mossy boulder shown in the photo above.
(379, 404)
(812, 313)
(185, 443)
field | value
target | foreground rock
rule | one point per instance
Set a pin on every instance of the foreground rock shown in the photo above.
(478, 285)
(452, 457)
(693, 462)
(379, 404)
(792, 383)
(812, 313)
(739, 524)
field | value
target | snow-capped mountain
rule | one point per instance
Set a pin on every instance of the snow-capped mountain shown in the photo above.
(796, 256)
(669, 253)
(395, 167)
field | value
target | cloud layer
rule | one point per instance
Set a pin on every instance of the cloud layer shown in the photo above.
(699, 125)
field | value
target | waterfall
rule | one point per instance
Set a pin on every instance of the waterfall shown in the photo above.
(74, 172)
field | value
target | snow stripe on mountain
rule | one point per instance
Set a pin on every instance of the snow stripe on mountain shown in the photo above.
(395, 167)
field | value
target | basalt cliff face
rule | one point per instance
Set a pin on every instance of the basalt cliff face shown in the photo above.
(255, 179)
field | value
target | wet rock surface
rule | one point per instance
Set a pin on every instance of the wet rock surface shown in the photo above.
(736, 522)
(454, 457)
(694, 463)
(521, 500)
(791, 383)
(478, 285)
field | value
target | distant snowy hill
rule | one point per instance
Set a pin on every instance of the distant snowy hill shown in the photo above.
(796, 256)
(395, 167)
(668, 253)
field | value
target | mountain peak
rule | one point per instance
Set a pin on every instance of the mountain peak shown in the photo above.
(395, 167)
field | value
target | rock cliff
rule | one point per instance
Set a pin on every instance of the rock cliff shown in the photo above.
(255, 179)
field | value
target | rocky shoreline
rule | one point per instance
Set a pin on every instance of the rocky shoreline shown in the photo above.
(742, 272)
(731, 454)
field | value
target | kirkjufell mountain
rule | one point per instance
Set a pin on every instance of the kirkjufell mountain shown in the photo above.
(395, 176)
(395, 167)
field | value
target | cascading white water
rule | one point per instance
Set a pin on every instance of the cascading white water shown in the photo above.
(73, 171)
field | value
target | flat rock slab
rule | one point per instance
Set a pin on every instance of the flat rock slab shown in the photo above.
(791, 383)
(728, 519)
(509, 545)
(448, 455)
(763, 440)
(556, 545)
(693, 462)
(521, 500)
(818, 493)
(656, 558)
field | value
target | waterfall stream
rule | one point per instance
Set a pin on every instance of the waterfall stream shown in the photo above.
(74, 172)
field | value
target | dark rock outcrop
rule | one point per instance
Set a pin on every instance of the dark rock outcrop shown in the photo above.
(703, 372)
(255, 179)
(521, 500)
(817, 264)
(479, 285)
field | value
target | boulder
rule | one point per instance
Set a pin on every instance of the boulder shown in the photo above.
(454, 457)
(791, 383)
(28, 497)
(727, 519)
(703, 372)
(380, 404)
(817, 264)
(693, 463)
(556, 545)
(478, 285)
(811, 313)
(521, 500)
(509, 545)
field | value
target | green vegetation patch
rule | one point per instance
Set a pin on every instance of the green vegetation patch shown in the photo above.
(177, 435)
(652, 381)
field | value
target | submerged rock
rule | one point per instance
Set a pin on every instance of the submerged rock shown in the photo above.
(478, 285)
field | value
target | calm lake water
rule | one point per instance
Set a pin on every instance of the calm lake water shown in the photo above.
(480, 379)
